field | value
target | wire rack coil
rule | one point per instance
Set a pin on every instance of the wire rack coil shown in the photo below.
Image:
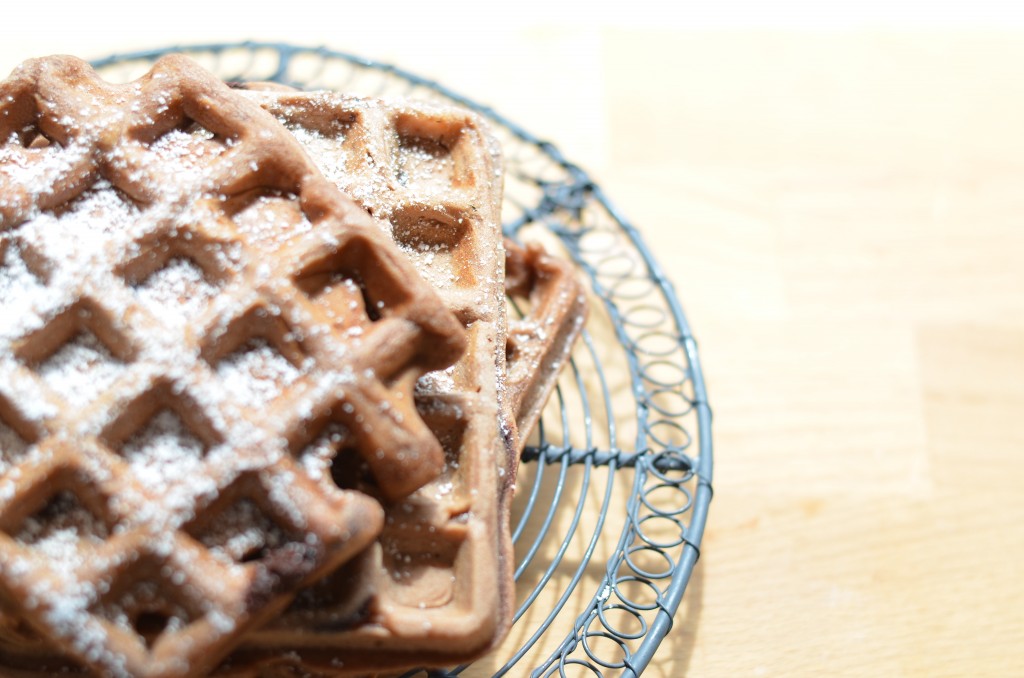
(614, 492)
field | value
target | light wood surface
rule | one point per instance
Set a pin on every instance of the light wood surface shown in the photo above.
(843, 216)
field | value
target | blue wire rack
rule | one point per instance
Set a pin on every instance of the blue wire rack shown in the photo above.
(629, 425)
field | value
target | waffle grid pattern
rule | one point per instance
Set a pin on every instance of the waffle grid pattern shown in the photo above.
(92, 190)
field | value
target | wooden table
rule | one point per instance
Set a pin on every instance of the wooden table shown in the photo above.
(843, 216)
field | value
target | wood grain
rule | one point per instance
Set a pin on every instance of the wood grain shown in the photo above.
(845, 213)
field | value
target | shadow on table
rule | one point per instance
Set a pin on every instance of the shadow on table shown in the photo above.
(672, 659)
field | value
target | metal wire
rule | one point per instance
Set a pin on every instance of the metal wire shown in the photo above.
(629, 420)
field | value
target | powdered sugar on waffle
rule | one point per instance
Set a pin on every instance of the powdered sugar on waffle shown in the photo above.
(318, 456)
(189, 151)
(242, 532)
(85, 230)
(272, 219)
(432, 189)
(136, 301)
(61, 528)
(256, 374)
(81, 369)
(419, 163)
(430, 260)
(165, 454)
(320, 145)
(23, 297)
(177, 293)
(36, 169)
(85, 240)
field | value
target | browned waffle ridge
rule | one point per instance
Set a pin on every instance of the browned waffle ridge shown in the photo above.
(199, 318)
(538, 344)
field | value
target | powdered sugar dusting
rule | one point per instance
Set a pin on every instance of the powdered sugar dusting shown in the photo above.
(146, 609)
(36, 170)
(256, 373)
(425, 163)
(438, 381)
(23, 297)
(189, 152)
(320, 145)
(177, 293)
(433, 262)
(164, 454)
(317, 458)
(85, 229)
(342, 300)
(369, 189)
(81, 370)
(77, 256)
(272, 219)
(60, 529)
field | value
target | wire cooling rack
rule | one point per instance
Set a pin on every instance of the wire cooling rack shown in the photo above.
(614, 492)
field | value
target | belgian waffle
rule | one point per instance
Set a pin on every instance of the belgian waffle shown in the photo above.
(437, 586)
(192, 317)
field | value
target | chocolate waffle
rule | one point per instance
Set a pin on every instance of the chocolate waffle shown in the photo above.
(554, 308)
(192, 317)
(437, 586)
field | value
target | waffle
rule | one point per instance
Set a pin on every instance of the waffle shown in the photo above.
(538, 344)
(437, 585)
(191, 319)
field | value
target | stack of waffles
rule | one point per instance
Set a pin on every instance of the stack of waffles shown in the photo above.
(260, 401)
